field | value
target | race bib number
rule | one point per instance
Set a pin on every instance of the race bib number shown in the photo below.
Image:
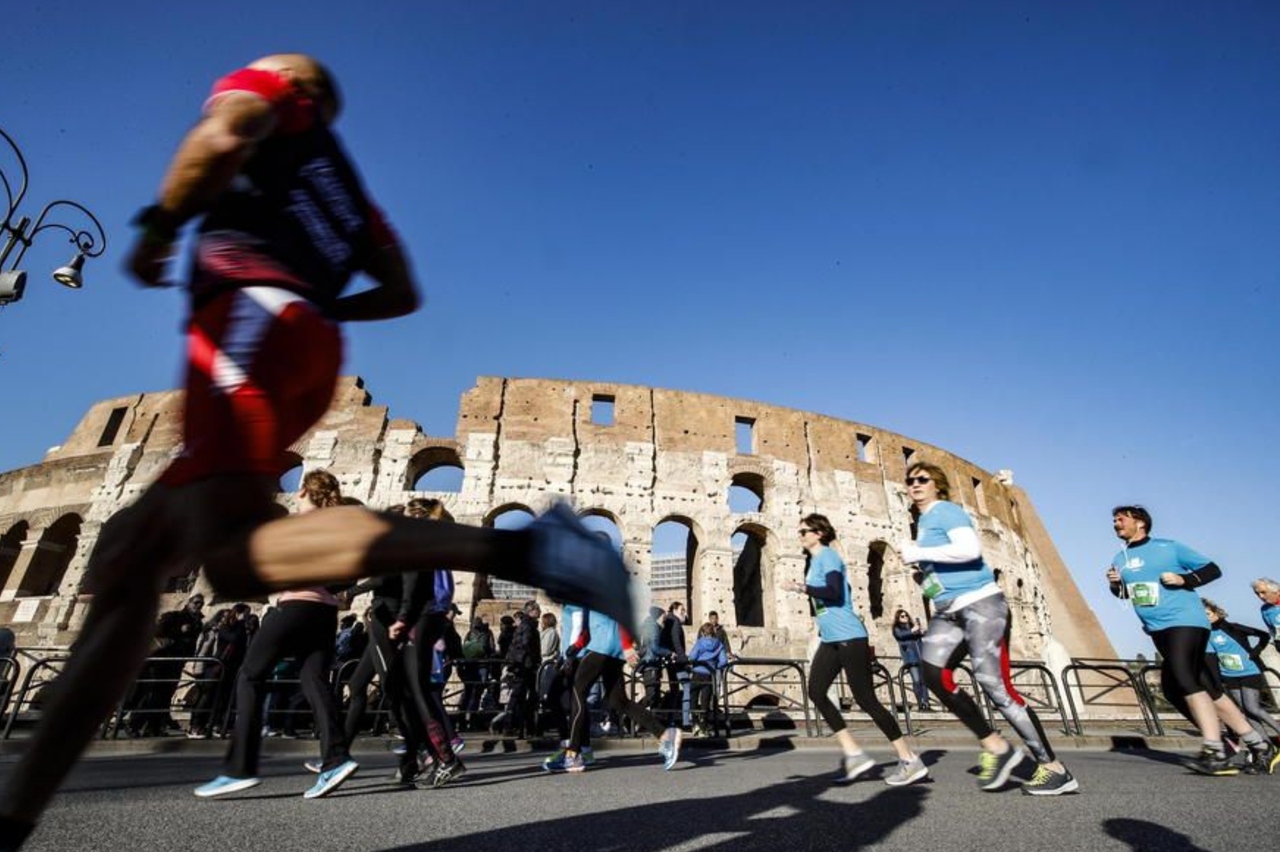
(1231, 662)
(932, 586)
(1144, 594)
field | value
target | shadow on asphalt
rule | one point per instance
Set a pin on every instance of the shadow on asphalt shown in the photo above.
(1143, 836)
(790, 814)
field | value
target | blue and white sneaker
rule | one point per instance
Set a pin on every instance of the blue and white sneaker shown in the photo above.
(224, 784)
(669, 747)
(331, 780)
(572, 563)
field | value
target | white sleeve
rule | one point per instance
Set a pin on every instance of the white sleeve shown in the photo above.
(963, 546)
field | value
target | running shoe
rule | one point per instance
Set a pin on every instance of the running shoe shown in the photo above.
(571, 563)
(1046, 782)
(1210, 762)
(576, 763)
(313, 766)
(331, 780)
(557, 762)
(1262, 761)
(197, 734)
(907, 772)
(446, 772)
(225, 784)
(852, 766)
(457, 744)
(407, 773)
(671, 753)
(994, 769)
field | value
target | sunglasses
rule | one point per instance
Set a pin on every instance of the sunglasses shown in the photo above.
(805, 530)
(918, 480)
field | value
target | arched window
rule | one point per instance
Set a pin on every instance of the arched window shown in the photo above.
(507, 518)
(291, 479)
(748, 545)
(436, 469)
(746, 493)
(671, 563)
(53, 554)
(10, 549)
(875, 579)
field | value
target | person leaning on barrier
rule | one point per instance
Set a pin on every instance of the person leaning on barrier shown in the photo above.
(908, 636)
(177, 632)
(707, 659)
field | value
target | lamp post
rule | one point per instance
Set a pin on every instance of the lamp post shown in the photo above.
(20, 233)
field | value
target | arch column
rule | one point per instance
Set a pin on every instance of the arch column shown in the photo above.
(31, 545)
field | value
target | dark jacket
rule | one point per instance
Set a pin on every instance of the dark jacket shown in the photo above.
(526, 646)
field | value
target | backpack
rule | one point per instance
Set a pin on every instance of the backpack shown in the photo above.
(474, 647)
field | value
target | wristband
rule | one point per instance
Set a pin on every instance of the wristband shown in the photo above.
(158, 226)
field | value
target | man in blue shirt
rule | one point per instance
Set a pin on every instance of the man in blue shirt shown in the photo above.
(1159, 577)
(1268, 591)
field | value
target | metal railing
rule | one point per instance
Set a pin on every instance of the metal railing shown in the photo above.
(1111, 681)
(775, 681)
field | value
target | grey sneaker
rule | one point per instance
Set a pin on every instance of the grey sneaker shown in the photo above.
(571, 563)
(852, 766)
(994, 769)
(907, 772)
(1046, 782)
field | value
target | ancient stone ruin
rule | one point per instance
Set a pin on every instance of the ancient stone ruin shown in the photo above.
(736, 475)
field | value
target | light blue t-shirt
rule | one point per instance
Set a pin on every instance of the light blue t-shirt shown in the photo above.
(1271, 618)
(836, 621)
(568, 631)
(1158, 606)
(606, 635)
(1233, 658)
(945, 581)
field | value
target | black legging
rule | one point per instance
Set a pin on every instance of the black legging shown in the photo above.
(609, 670)
(854, 656)
(1183, 669)
(303, 630)
(383, 657)
(428, 702)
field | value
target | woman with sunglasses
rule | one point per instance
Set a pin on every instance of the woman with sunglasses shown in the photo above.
(971, 616)
(908, 635)
(844, 646)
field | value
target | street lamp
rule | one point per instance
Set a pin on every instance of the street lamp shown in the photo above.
(13, 281)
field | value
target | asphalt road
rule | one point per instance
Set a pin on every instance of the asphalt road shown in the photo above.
(769, 799)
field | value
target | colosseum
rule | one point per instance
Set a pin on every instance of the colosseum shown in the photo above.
(726, 479)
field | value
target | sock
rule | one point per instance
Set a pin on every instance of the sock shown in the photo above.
(1215, 747)
(1254, 740)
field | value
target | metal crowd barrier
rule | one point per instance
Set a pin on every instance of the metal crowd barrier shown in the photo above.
(773, 681)
(40, 674)
(183, 682)
(10, 672)
(1116, 679)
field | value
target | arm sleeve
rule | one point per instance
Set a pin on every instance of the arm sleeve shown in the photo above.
(831, 591)
(627, 643)
(1200, 576)
(418, 589)
(1243, 633)
(962, 546)
(584, 634)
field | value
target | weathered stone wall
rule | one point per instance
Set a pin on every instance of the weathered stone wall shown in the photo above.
(668, 456)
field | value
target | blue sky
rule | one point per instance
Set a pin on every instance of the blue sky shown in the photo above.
(1040, 235)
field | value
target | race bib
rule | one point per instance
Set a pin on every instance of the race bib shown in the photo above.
(932, 586)
(1144, 594)
(1231, 662)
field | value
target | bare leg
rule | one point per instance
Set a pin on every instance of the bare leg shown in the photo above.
(129, 563)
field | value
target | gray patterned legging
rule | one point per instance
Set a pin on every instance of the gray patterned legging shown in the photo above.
(980, 631)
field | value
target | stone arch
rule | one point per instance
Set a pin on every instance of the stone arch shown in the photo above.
(53, 555)
(291, 472)
(752, 574)
(662, 578)
(424, 470)
(875, 579)
(746, 493)
(506, 516)
(11, 549)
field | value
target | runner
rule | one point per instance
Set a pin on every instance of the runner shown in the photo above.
(844, 647)
(1268, 591)
(302, 627)
(605, 645)
(1242, 677)
(286, 224)
(971, 617)
(1159, 577)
